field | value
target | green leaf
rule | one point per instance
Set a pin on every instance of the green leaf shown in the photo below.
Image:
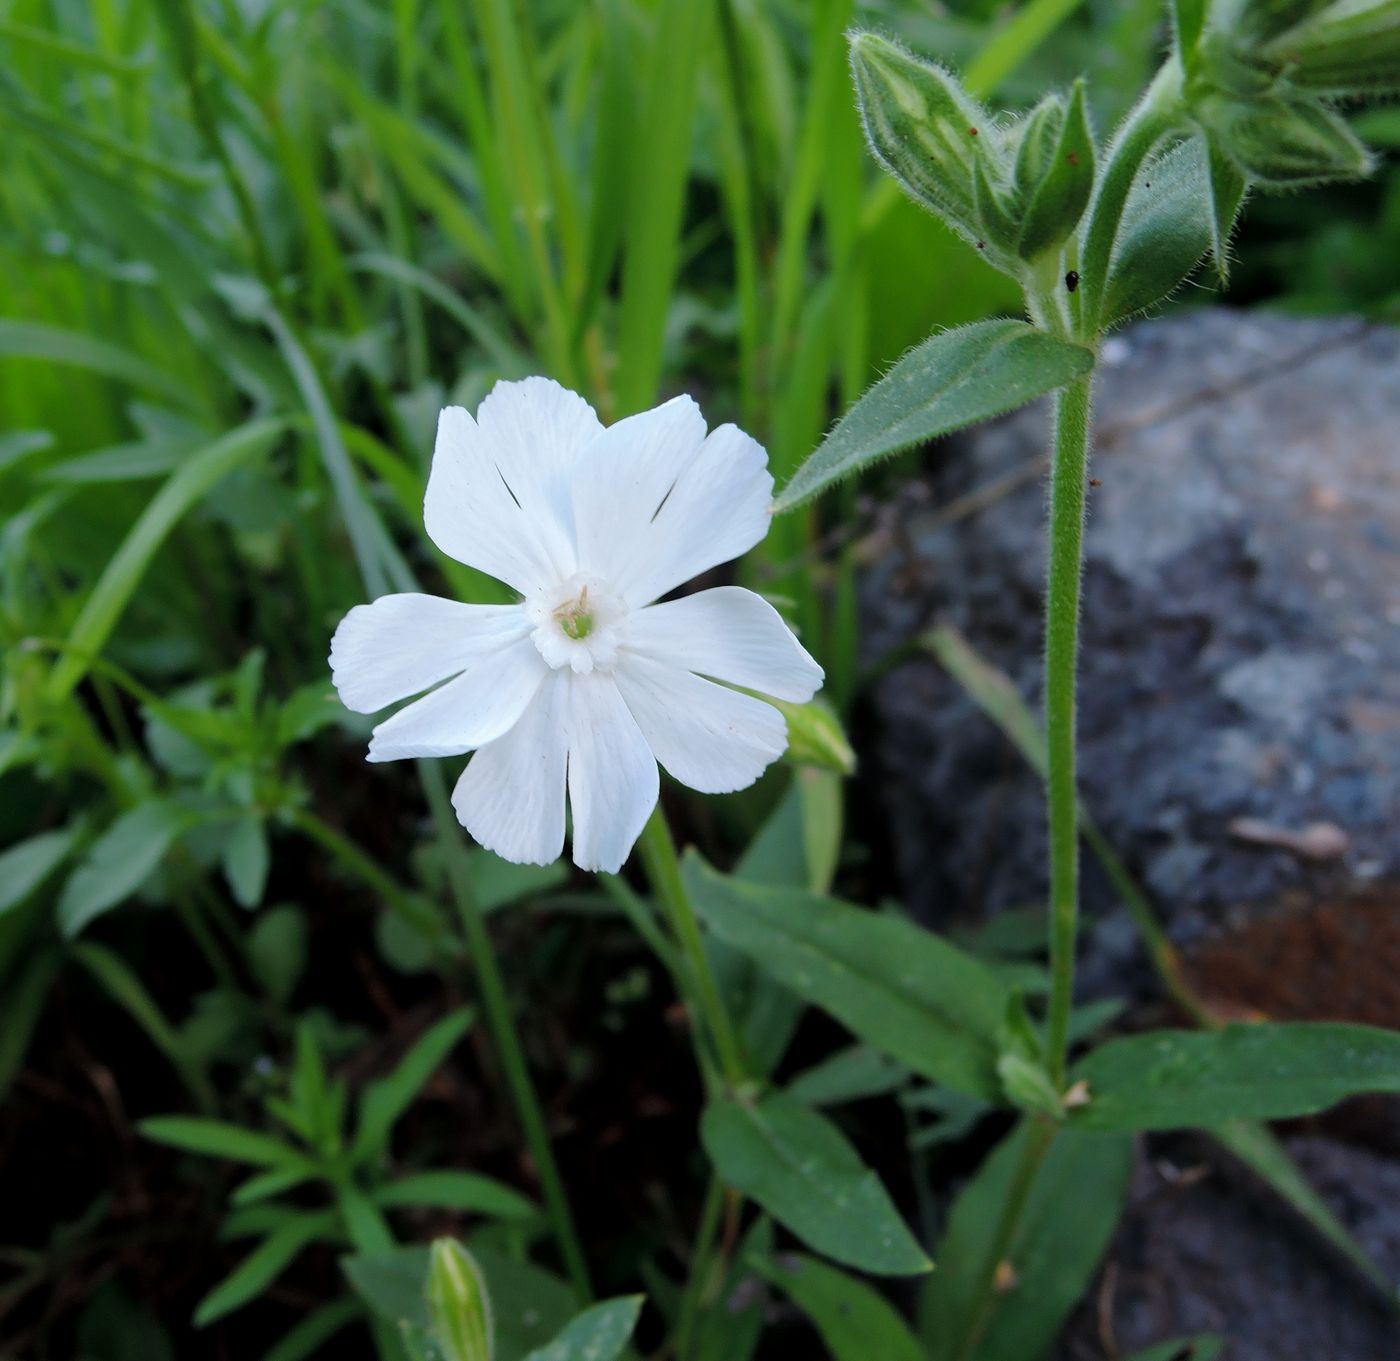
(1202, 1347)
(1057, 201)
(1180, 1079)
(1188, 22)
(855, 1322)
(217, 1139)
(387, 1099)
(896, 986)
(449, 1189)
(922, 126)
(21, 1004)
(196, 476)
(798, 1166)
(458, 1304)
(52, 345)
(850, 1074)
(1070, 1214)
(1260, 1150)
(26, 864)
(597, 1334)
(277, 950)
(1165, 230)
(118, 862)
(263, 1265)
(246, 860)
(1227, 192)
(953, 379)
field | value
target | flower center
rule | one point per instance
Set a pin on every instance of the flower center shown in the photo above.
(578, 624)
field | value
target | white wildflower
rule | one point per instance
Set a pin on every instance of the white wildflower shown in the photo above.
(584, 682)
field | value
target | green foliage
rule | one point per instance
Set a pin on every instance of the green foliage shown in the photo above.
(1170, 1079)
(1067, 1219)
(953, 379)
(897, 987)
(854, 1321)
(797, 1165)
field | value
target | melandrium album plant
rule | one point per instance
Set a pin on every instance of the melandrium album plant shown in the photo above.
(627, 607)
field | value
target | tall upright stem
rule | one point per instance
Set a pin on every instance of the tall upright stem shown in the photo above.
(663, 870)
(504, 1038)
(1067, 479)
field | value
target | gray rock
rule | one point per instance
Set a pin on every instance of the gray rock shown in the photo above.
(1205, 1248)
(1241, 632)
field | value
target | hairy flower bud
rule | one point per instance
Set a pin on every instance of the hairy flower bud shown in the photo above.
(922, 126)
(1351, 47)
(458, 1304)
(1284, 143)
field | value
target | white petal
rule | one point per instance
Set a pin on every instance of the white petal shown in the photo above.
(403, 644)
(656, 502)
(497, 495)
(511, 795)
(731, 634)
(613, 784)
(712, 739)
(468, 712)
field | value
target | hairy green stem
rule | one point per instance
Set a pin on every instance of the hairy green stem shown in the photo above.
(658, 852)
(1038, 1140)
(504, 1036)
(701, 1266)
(1067, 478)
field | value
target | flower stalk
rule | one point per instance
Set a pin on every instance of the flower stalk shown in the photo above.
(663, 869)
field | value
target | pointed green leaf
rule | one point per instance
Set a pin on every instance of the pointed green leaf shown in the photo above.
(1181, 1079)
(246, 860)
(26, 864)
(953, 379)
(798, 1166)
(118, 862)
(1074, 1204)
(1057, 200)
(1188, 22)
(450, 1189)
(854, 1321)
(1227, 191)
(896, 986)
(263, 1265)
(1165, 230)
(597, 1334)
(387, 1099)
(217, 1139)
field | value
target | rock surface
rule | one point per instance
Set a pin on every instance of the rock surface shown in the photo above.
(1240, 682)
(1240, 748)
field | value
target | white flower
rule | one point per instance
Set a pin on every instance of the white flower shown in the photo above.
(584, 682)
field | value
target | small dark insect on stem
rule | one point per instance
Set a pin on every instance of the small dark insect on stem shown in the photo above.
(972, 132)
(1094, 482)
(1072, 280)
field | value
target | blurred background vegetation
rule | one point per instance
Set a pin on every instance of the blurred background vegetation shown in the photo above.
(248, 249)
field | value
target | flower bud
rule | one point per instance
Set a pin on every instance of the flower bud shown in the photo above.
(816, 737)
(458, 1304)
(1285, 143)
(922, 126)
(1351, 47)
(1054, 173)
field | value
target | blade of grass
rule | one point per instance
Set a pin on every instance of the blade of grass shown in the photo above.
(123, 572)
